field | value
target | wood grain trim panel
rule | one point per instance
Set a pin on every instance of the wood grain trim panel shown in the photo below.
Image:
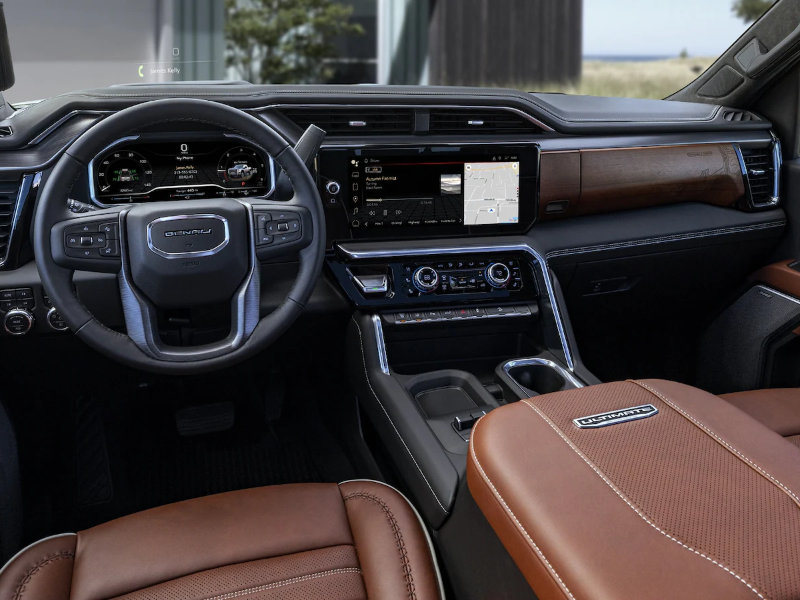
(779, 276)
(605, 180)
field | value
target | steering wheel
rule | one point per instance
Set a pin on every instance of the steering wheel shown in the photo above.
(181, 254)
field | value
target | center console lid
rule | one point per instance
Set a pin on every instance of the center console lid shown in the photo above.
(640, 489)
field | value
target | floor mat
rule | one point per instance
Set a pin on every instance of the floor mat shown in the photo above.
(110, 456)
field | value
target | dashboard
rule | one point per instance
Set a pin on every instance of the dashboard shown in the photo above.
(180, 167)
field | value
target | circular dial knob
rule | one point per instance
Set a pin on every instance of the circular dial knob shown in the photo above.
(498, 275)
(426, 279)
(333, 187)
(55, 320)
(18, 321)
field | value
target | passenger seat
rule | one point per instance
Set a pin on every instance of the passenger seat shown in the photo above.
(778, 409)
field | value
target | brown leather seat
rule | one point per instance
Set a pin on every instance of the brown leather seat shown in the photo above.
(778, 409)
(694, 499)
(360, 539)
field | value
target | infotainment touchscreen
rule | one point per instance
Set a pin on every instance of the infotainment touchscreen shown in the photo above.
(464, 188)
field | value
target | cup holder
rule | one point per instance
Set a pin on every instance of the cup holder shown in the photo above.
(528, 377)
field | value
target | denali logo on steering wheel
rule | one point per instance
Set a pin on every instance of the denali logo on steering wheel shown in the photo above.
(195, 235)
(207, 231)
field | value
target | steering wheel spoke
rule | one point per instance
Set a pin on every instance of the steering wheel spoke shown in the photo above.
(88, 242)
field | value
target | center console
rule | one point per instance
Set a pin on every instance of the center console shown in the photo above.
(445, 332)
(455, 311)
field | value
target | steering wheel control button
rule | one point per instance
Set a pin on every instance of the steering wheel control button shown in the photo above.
(93, 239)
(188, 236)
(18, 322)
(111, 230)
(56, 321)
(111, 249)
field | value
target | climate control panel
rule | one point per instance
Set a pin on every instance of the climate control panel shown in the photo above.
(459, 276)
(429, 280)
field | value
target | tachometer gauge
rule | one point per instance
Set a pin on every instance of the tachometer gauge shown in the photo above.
(242, 167)
(124, 172)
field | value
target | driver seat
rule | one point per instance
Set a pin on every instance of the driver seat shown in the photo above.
(355, 540)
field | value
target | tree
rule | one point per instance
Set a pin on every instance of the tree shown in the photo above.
(284, 41)
(750, 10)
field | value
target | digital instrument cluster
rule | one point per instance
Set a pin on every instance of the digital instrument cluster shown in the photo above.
(149, 171)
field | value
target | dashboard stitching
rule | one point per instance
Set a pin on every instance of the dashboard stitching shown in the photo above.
(391, 422)
(665, 239)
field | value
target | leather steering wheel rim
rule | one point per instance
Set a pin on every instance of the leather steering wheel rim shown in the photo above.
(51, 211)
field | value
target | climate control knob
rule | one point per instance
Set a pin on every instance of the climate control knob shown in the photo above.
(498, 275)
(18, 321)
(426, 279)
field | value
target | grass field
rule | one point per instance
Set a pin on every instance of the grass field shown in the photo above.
(634, 79)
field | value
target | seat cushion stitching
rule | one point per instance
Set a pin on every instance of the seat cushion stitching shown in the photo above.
(29, 574)
(795, 498)
(284, 582)
(398, 536)
(635, 508)
(369, 384)
(510, 512)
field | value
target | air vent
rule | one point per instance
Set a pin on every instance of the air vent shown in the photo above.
(8, 202)
(355, 121)
(5, 130)
(739, 116)
(759, 166)
(480, 120)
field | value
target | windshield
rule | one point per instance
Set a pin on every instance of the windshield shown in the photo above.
(601, 47)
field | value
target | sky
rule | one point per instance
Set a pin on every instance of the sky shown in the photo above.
(659, 27)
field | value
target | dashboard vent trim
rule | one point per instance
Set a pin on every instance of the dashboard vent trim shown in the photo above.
(739, 116)
(761, 171)
(366, 120)
(484, 120)
(351, 120)
(5, 130)
(11, 194)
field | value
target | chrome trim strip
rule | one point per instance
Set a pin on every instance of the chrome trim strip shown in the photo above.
(383, 360)
(196, 253)
(777, 293)
(777, 163)
(521, 362)
(517, 111)
(521, 247)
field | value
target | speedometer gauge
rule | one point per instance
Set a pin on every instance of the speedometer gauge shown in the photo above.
(125, 172)
(242, 167)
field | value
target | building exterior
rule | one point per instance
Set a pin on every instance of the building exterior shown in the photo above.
(95, 43)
